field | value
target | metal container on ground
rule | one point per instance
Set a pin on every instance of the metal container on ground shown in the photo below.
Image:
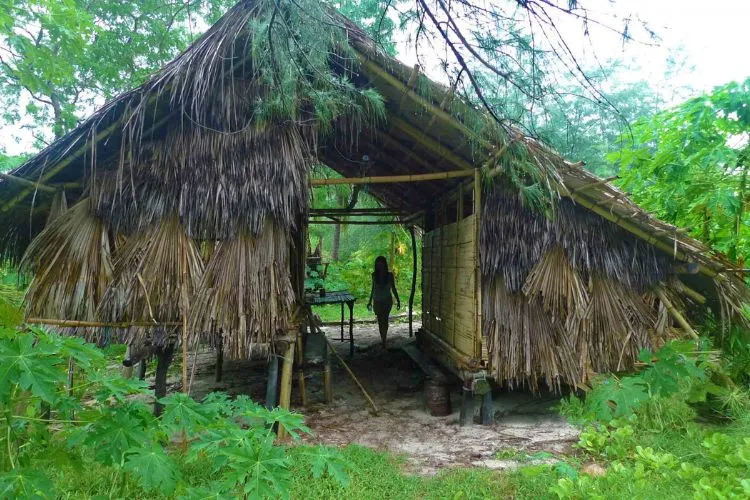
(438, 397)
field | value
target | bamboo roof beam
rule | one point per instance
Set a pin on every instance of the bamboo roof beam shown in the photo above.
(592, 185)
(392, 179)
(441, 114)
(431, 144)
(409, 86)
(405, 150)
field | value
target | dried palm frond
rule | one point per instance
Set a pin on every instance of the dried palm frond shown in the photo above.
(514, 238)
(558, 285)
(155, 274)
(245, 297)
(524, 344)
(72, 266)
(734, 300)
(614, 328)
(58, 207)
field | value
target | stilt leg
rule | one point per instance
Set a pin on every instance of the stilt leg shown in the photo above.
(272, 386)
(127, 370)
(487, 410)
(467, 405)
(142, 366)
(163, 359)
(286, 382)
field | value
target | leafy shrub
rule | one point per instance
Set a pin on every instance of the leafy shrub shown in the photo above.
(104, 418)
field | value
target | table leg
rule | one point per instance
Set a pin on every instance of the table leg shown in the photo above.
(351, 329)
(342, 322)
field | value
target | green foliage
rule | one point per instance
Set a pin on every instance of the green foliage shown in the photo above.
(47, 428)
(690, 165)
(61, 57)
(676, 369)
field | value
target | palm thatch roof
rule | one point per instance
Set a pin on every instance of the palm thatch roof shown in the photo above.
(212, 143)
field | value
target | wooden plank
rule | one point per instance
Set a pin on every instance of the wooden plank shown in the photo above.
(430, 369)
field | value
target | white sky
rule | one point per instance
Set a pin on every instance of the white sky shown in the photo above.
(713, 34)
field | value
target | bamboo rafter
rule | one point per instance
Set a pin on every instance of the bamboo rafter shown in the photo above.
(38, 186)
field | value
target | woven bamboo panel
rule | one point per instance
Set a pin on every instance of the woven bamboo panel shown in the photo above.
(448, 284)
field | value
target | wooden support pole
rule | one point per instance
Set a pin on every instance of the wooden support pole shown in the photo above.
(285, 398)
(301, 371)
(466, 416)
(413, 279)
(392, 179)
(675, 313)
(487, 411)
(142, 365)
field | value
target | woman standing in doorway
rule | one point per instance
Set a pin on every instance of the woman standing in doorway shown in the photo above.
(380, 295)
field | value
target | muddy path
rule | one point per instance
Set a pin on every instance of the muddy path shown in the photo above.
(403, 426)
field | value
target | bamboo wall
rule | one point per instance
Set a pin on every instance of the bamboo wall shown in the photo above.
(448, 285)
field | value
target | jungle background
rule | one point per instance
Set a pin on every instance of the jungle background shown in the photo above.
(677, 428)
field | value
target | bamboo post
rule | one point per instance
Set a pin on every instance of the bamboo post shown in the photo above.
(351, 374)
(413, 280)
(272, 384)
(459, 223)
(300, 371)
(675, 313)
(477, 263)
(285, 398)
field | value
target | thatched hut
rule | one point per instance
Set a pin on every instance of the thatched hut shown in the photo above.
(189, 201)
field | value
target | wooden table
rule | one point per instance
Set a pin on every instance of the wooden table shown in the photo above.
(339, 297)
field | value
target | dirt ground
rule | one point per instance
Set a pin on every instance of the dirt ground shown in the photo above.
(403, 426)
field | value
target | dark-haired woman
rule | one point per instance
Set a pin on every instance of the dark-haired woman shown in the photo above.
(383, 285)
